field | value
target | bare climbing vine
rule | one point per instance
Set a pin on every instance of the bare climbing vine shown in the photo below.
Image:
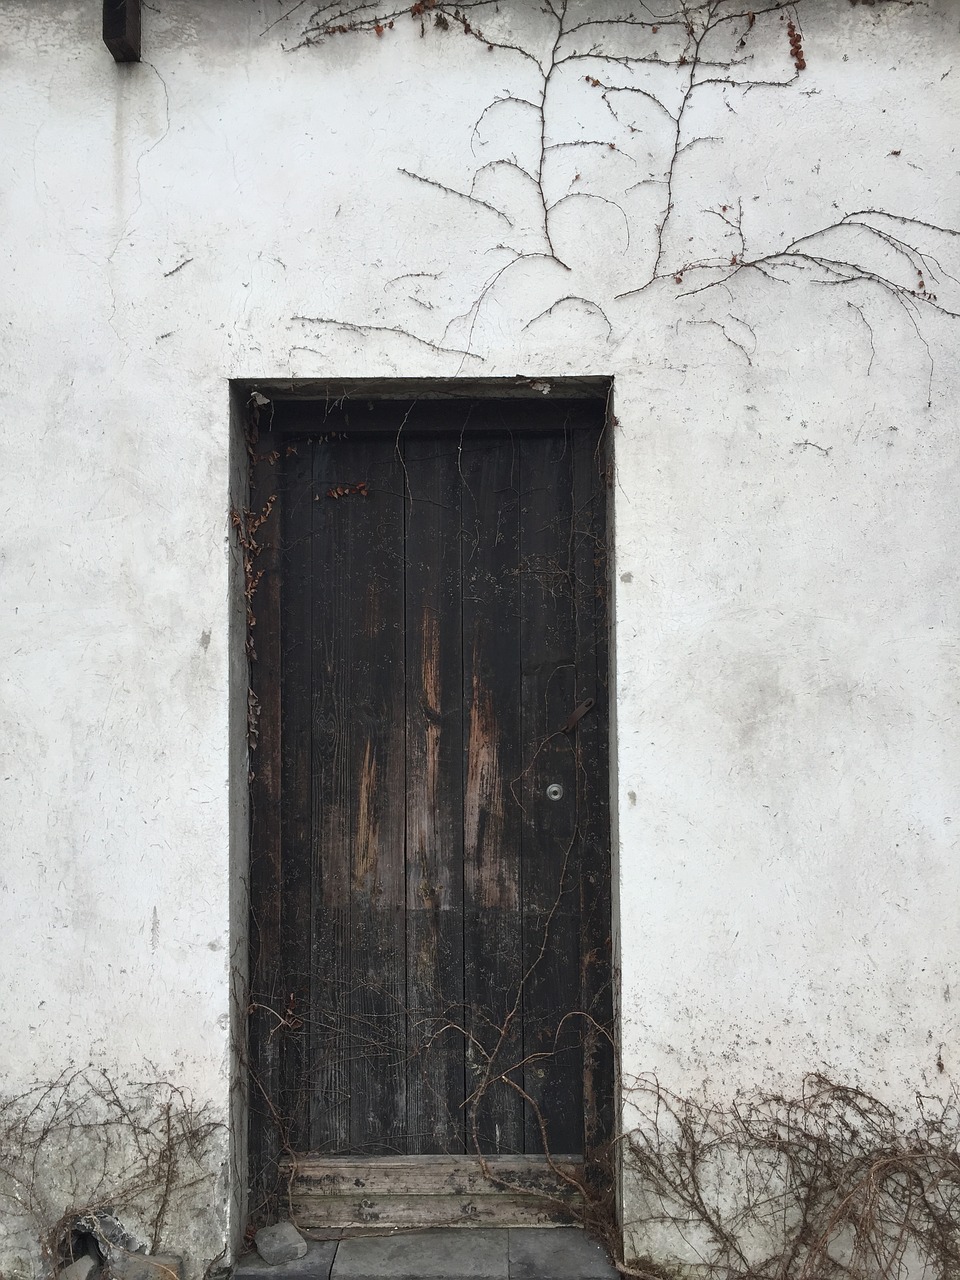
(830, 1182)
(605, 107)
(89, 1161)
(246, 523)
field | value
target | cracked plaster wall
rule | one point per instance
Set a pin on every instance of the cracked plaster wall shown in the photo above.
(784, 580)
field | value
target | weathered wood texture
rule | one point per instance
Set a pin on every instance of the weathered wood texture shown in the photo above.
(431, 929)
(435, 1191)
(551, 689)
(490, 603)
(357, 690)
(434, 728)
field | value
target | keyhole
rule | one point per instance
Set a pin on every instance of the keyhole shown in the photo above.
(554, 791)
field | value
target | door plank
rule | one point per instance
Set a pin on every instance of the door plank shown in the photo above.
(550, 837)
(359, 936)
(433, 1175)
(378, 995)
(491, 867)
(387, 1213)
(331, 694)
(296, 764)
(434, 818)
(432, 1191)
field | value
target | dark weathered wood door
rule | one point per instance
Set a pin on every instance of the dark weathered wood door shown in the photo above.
(430, 872)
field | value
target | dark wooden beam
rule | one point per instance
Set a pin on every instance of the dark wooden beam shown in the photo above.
(121, 29)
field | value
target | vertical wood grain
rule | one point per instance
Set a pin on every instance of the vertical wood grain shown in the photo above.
(434, 725)
(359, 936)
(550, 834)
(489, 467)
(295, 470)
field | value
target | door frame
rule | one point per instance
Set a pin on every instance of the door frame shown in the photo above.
(253, 405)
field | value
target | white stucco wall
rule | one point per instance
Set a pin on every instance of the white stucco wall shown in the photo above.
(786, 612)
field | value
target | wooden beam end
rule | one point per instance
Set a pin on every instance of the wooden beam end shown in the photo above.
(121, 29)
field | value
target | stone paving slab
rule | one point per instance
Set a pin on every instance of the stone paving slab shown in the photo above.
(441, 1254)
(315, 1265)
(146, 1266)
(467, 1253)
(561, 1253)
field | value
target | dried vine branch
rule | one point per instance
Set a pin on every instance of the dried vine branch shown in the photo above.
(87, 1155)
(649, 67)
(830, 1183)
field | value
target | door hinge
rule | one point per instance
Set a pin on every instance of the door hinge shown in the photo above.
(577, 716)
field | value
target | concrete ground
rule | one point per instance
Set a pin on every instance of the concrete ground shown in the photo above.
(515, 1253)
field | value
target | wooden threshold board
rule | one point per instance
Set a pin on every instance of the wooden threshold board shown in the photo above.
(343, 1193)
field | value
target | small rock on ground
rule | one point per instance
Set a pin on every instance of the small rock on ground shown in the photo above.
(314, 1265)
(280, 1243)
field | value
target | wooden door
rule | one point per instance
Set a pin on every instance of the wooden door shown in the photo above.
(430, 871)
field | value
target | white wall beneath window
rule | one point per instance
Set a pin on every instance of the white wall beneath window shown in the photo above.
(785, 603)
